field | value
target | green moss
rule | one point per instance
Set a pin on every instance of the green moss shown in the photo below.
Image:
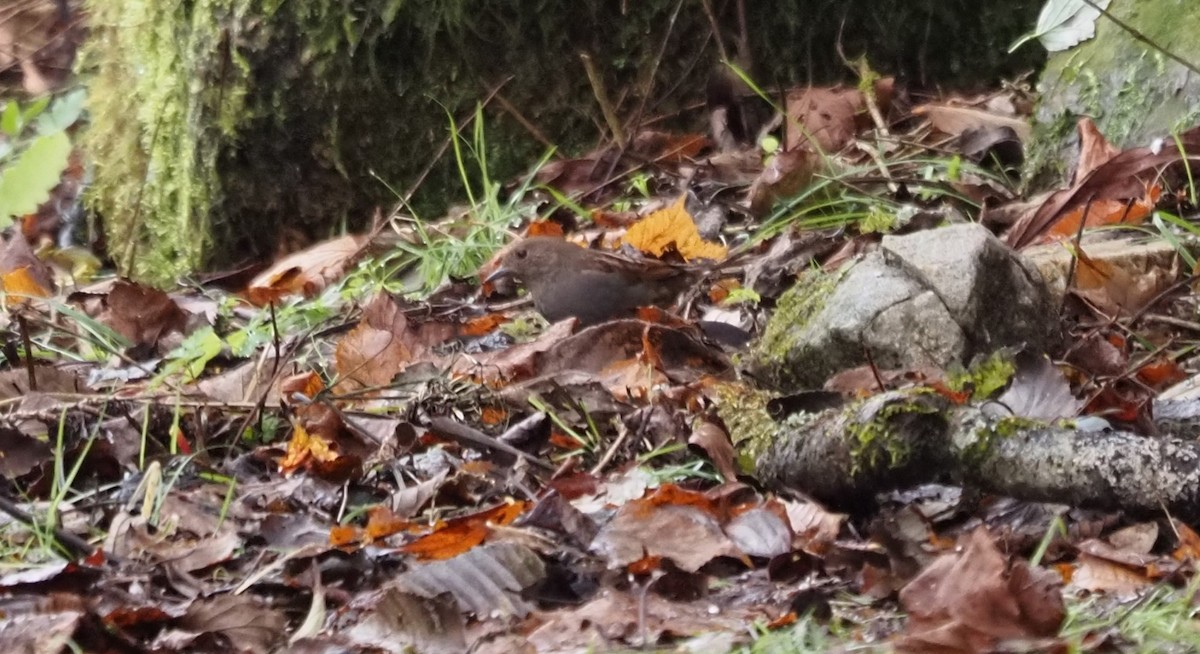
(1131, 90)
(874, 445)
(984, 377)
(773, 354)
(744, 411)
(988, 431)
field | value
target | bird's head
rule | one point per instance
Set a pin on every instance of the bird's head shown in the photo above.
(534, 261)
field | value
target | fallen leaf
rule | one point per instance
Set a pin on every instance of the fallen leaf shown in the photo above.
(461, 534)
(976, 600)
(955, 120)
(306, 272)
(672, 229)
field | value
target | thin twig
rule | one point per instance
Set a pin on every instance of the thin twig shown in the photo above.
(523, 121)
(596, 79)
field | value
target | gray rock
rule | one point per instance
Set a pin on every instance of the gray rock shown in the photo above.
(1133, 91)
(931, 298)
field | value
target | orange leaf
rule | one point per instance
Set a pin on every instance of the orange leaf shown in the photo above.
(304, 447)
(1161, 372)
(645, 565)
(672, 228)
(483, 324)
(21, 284)
(1189, 542)
(1103, 212)
(382, 522)
(544, 228)
(343, 535)
(721, 289)
(492, 415)
(461, 534)
(308, 384)
(305, 272)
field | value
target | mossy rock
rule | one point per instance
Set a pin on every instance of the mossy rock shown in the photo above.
(220, 126)
(1134, 92)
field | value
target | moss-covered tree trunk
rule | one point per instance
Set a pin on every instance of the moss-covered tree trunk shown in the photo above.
(221, 126)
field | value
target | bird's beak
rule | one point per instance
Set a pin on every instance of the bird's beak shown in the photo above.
(498, 274)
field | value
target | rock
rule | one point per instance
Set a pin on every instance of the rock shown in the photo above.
(1134, 92)
(931, 298)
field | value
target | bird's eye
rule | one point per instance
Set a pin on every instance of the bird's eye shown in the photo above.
(521, 254)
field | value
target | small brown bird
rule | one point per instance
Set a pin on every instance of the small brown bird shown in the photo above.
(567, 280)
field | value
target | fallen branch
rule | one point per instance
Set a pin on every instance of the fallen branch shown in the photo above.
(845, 456)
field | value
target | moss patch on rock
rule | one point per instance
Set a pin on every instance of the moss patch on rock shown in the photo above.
(774, 357)
(1133, 91)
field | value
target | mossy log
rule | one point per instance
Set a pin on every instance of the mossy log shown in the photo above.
(847, 455)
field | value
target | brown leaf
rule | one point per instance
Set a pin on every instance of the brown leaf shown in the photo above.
(1126, 176)
(1113, 289)
(395, 618)
(1103, 575)
(142, 314)
(687, 534)
(374, 351)
(249, 623)
(486, 581)
(830, 117)
(714, 440)
(1094, 149)
(785, 175)
(824, 116)
(383, 344)
(975, 600)
(954, 120)
(306, 272)
(628, 617)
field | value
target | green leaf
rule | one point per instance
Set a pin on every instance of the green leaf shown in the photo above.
(27, 182)
(194, 353)
(63, 113)
(10, 121)
(34, 110)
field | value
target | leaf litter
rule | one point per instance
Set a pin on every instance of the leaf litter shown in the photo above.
(316, 462)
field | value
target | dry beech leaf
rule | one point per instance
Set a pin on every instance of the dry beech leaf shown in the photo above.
(1102, 575)
(975, 599)
(1094, 149)
(710, 437)
(461, 534)
(669, 229)
(401, 621)
(955, 120)
(374, 351)
(830, 116)
(670, 523)
(785, 175)
(760, 532)
(1126, 176)
(306, 272)
(486, 581)
(142, 314)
